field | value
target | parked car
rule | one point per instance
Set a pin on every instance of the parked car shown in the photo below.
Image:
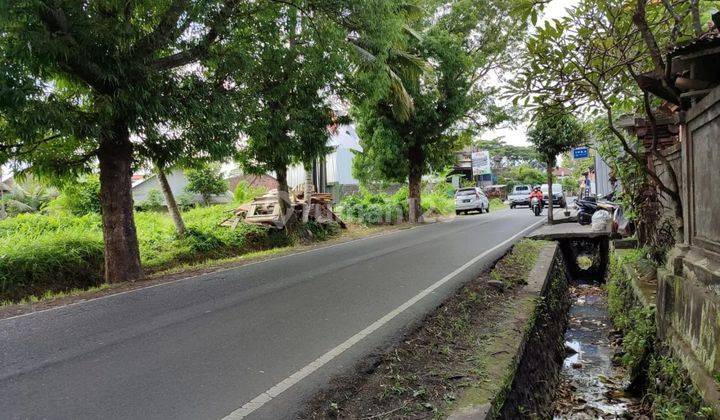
(471, 199)
(520, 196)
(558, 195)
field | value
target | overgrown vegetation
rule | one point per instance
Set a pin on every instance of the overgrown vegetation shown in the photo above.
(381, 208)
(64, 251)
(514, 267)
(671, 394)
(245, 192)
(654, 372)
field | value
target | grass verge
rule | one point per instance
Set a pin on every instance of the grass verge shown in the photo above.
(455, 347)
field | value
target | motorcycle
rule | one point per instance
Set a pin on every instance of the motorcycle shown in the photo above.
(535, 206)
(587, 206)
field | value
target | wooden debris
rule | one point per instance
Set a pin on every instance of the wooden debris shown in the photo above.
(265, 211)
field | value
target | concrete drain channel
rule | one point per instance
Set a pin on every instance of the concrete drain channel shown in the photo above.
(591, 385)
(583, 380)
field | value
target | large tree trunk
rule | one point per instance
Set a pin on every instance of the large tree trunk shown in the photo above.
(309, 189)
(550, 192)
(170, 201)
(414, 180)
(122, 253)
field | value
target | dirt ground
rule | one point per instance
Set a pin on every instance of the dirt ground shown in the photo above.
(424, 373)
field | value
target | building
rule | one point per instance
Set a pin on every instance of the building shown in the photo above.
(178, 182)
(333, 173)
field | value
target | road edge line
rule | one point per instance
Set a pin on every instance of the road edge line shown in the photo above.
(266, 396)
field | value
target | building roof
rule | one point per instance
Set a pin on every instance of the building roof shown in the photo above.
(265, 181)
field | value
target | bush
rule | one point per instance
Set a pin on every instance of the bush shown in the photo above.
(245, 192)
(207, 181)
(80, 197)
(62, 251)
(153, 201)
(375, 209)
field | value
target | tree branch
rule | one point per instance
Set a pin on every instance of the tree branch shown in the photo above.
(165, 30)
(56, 22)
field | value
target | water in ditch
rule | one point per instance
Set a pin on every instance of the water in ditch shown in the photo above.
(592, 385)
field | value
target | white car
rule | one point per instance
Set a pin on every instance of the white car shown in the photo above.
(471, 199)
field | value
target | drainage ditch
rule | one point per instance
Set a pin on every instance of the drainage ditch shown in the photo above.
(574, 344)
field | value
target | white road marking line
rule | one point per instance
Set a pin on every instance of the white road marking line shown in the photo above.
(296, 377)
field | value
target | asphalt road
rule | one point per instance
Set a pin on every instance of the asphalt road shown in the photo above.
(225, 344)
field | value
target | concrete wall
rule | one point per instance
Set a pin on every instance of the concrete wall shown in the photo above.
(689, 285)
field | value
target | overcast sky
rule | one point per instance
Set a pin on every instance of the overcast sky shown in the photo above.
(518, 135)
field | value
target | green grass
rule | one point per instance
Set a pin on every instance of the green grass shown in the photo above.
(497, 204)
(63, 252)
(515, 266)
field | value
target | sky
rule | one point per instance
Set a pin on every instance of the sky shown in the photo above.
(517, 135)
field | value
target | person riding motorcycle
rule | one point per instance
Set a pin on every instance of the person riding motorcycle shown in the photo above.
(537, 193)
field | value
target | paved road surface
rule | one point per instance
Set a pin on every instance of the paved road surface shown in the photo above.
(211, 346)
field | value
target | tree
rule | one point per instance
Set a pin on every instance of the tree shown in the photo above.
(283, 88)
(505, 153)
(79, 79)
(523, 174)
(604, 57)
(206, 180)
(463, 41)
(555, 132)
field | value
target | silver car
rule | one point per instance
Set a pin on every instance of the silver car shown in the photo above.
(471, 199)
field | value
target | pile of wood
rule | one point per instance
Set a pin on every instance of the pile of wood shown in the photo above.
(265, 211)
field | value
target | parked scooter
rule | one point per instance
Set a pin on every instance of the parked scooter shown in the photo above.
(587, 206)
(535, 206)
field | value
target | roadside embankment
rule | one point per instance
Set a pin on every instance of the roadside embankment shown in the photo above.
(469, 358)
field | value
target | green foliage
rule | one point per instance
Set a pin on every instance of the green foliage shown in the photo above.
(61, 251)
(244, 192)
(79, 197)
(185, 201)
(497, 204)
(27, 196)
(374, 209)
(635, 321)
(671, 392)
(153, 201)
(444, 98)
(41, 252)
(206, 180)
(555, 132)
(522, 175)
(513, 155)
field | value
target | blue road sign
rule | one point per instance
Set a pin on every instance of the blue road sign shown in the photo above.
(580, 152)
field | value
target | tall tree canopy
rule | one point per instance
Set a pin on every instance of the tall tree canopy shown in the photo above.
(555, 132)
(112, 83)
(597, 59)
(462, 41)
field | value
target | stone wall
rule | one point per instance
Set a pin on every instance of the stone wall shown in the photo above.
(689, 285)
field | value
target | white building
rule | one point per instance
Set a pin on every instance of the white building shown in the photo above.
(178, 182)
(335, 171)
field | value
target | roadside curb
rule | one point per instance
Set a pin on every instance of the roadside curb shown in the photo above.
(485, 400)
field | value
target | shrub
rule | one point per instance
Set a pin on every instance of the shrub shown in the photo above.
(245, 192)
(153, 201)
(56, 260)
(80, 197)
(186, 201)
(375, 209)
(206, 181)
